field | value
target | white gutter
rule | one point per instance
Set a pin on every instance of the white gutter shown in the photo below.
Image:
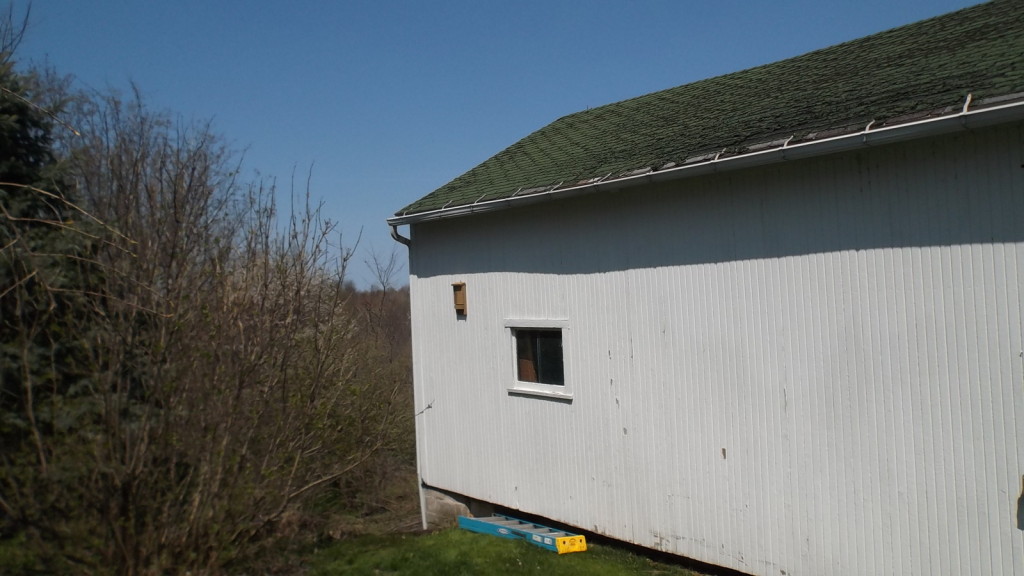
(965, 120)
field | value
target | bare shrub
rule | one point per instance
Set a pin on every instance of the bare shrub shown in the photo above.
(204, 372)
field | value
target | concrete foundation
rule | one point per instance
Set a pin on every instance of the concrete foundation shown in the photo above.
(441, 510)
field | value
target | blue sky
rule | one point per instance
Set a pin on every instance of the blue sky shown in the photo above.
(388, 100)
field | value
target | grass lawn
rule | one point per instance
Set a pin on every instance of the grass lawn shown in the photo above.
(457, 552)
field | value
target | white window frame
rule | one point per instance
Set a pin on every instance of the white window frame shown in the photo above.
(517, 386)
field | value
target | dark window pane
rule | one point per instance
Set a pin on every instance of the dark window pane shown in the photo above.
(539, 356)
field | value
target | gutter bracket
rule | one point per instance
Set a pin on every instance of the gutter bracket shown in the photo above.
(784, 144)
(967, 104)
(864, 134)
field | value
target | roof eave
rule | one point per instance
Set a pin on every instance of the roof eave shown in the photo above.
(965, 120)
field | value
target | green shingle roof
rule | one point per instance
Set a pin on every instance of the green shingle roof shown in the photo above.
(926, 68)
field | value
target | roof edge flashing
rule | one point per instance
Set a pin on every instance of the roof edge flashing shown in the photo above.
(869, 136)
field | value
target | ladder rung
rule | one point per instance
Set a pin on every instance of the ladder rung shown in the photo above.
(542, 531)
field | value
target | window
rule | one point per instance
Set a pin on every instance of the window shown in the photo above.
(538, 358)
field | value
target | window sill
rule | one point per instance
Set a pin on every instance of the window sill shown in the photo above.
(540, 390)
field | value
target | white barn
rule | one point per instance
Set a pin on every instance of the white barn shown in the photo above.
(771, 321)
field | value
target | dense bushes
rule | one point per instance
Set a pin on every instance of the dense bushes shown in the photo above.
(181, 371)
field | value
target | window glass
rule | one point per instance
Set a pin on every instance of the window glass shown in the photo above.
(539, 356)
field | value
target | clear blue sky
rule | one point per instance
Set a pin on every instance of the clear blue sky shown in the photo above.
(388, 100)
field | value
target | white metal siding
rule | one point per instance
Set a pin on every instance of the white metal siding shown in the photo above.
(814, 368)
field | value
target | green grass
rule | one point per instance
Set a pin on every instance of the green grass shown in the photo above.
(460, 553)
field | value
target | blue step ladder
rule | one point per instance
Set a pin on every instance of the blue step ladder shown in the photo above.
(507, 527)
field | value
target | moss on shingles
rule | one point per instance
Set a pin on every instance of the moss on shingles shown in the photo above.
(926, 67)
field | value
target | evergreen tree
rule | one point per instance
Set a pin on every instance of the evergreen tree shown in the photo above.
(44, 275)
(27, 234)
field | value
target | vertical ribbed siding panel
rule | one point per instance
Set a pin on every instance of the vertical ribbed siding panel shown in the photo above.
(904, 442)
(1013, 410)
(1009, 446)
(421, 376)
(847, 330)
